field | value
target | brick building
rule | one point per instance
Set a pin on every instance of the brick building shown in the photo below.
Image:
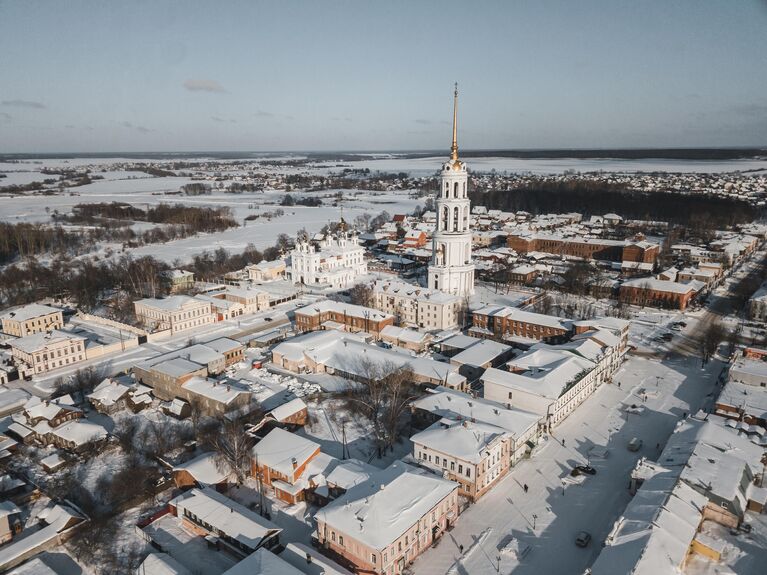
(658, 293)
(586, 248)
(349, 317)
(501, 322)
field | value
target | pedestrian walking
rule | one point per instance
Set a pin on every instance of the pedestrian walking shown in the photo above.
(460, 548)
(525, 487)
(619, 385)
(563, 442)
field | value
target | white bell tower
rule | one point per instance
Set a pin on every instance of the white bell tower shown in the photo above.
(450, 269)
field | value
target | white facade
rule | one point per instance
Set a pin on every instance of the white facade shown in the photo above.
(418, 307)
(336, 263)
(450, 269)
(176, 313)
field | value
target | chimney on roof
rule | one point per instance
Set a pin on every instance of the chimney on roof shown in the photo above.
(294, 462)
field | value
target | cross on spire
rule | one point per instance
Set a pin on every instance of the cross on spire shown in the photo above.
(454, 147)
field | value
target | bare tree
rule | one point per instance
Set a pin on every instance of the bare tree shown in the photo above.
(361, 294)
(383, 399)
(710, 339)
(82, 381)
(125, 430)
(197, 412)
(543, 304)
(233, 447)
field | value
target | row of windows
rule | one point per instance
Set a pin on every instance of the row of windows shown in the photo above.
(457, 189)
(444, 462)
(444, 224)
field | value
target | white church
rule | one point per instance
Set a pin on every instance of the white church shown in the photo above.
(336, 263)
(450, 269)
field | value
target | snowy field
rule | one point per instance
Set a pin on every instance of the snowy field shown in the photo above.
(142, 190)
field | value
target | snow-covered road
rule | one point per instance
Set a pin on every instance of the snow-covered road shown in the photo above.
(560, 513)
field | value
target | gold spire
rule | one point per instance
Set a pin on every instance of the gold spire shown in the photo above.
(454, 147)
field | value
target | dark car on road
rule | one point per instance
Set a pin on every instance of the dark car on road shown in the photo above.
(586, 469)
(583, 539)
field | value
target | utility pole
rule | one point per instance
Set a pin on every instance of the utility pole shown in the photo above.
(344, 452)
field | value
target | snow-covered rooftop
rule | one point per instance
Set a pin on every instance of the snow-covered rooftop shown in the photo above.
(377, 512)
(217, 391)
(516, 314)
(459, 406)
(227, 516)
(464, 440)
(280, 448)
(29, 311)
(481, 353)
(205, 469)
(162, 564)
(263, 562)
(38, 341)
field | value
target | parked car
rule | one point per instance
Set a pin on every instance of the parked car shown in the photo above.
(668, 336)
(635, 444)
(267, 319)
(586, 469)
(583, 539)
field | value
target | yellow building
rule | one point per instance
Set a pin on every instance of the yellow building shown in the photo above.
(32, 318)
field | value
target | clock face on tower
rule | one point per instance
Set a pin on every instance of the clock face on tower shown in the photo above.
(451, 269)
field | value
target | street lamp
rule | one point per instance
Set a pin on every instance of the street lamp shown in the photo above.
(534, 518)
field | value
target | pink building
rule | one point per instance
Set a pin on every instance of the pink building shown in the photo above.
(380, 526)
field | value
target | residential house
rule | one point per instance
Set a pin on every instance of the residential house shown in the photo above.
(418, 307)
(175, 313)
(30, 319)
(281, 462)
(406, 338)
(205, 512)
(370, 530)
(266, 271)
(476, 455)
(45, 351)
(447, 405)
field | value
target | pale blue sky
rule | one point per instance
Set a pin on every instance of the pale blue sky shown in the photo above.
(160, 75)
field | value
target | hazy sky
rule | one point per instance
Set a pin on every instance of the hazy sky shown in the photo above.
(361, 75)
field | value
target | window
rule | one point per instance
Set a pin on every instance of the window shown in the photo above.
(341, 540)
(373, 558)
(468, 472)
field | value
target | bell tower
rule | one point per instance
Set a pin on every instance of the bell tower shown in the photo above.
(450, 269)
